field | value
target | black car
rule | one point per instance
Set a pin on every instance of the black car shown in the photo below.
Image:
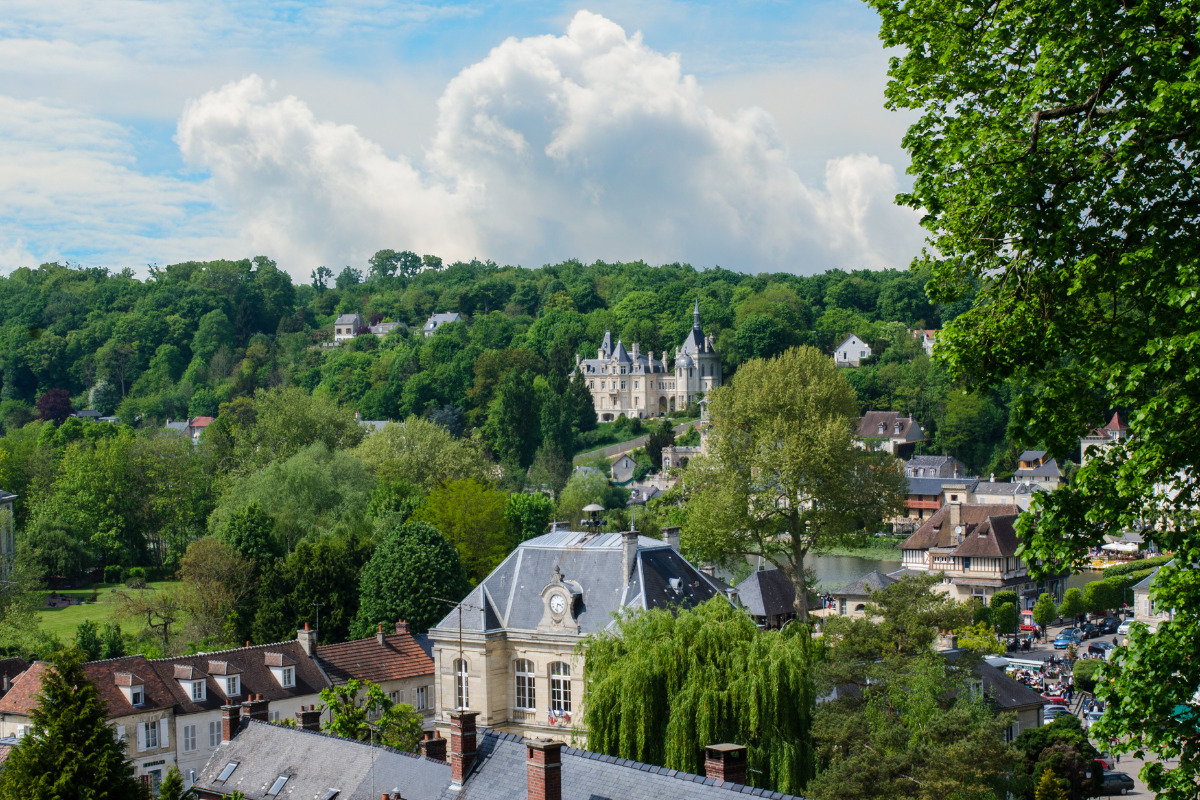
(1100, 648)
(1091, 631)
(1116, 783)
(1109, 626)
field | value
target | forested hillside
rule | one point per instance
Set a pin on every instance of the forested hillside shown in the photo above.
(287, 477)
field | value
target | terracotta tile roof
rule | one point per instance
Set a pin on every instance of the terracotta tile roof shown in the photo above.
(868, 426)
(127, 679)
(188, 672)
(278, 660)
(995, 537)
(106, 674)
(252, 665)
(22, 697)
(400, 656)
(933, 533)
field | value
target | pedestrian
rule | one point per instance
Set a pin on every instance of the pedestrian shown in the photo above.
(1115, 641)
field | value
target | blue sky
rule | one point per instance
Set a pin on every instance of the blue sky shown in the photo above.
(747, 134)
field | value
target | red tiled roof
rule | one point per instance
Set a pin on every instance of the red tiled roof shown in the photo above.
(868, 426)
(200, 422)
(933, 533)
(105, 675)
(22, 697)
(365, 659)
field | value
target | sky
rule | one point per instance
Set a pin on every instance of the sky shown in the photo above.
(748, 134)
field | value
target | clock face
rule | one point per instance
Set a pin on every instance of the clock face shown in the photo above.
(558, 603)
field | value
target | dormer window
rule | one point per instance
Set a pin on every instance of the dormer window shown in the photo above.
(137, 696)
(133, 687)
(283, 668)
(881, 427)
(233, 685)
(198, 690)
(289, 676)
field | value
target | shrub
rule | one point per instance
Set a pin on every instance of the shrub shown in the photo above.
(1136, 566)
(1084, 673)
(113, 573)
(137, 574)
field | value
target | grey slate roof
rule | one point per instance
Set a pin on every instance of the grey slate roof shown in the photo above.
(6, 496)
(511, 595)
(871, 582)
(500, 774)
(1148, 581)
(767, 593)
(1050, 468)
(1015, 488)
(316, 763)
(437, 320)
(933, 486)
(1031, 455)
(346, 319)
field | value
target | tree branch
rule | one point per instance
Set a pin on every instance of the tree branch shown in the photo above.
(1075, 108)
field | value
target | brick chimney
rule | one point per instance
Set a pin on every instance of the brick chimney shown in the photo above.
(231, 717)
(725, 762)
(629, 546)
(543, 769)
(402, 626)
(307, 639)
(671, 536)
(462, 745)
(308, 719)
(255, 707)
(433, 746)
(379, 635)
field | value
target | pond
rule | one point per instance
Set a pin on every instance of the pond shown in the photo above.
(834, 572)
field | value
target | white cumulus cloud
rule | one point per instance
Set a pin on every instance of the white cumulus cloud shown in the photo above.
(588, 145)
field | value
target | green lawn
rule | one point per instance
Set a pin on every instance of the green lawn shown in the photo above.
(63, 621)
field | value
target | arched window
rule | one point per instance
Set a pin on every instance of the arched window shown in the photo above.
(860, 607)
(461, 697)
(560, 687)
(526, 697)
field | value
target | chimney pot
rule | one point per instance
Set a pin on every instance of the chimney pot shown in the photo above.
(402, 626)
(543, 769)
(256, 707)
(433, 747)
(231, 717)
(308, 719)
(725, 762)
(379, 635)
(308, 640)
(462, 745)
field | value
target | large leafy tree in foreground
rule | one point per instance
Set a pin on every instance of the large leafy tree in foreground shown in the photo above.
(1056, 161)
(785, 475)
(71, 752)
(661, 686)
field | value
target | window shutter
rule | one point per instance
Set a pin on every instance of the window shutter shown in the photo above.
(165, 725)
(121, 732)
(141, 738)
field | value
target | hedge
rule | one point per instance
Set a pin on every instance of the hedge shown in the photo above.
(1136, 566)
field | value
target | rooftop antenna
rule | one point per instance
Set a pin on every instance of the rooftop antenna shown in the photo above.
(317, 606)
(460, 604)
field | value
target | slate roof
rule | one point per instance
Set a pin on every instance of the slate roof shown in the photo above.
(933, 462)
(435, 321)
(500, 774)
(937, 531)
(1031, 455)
(1015, 488)
(1008, 694)
(317, 762)
(695, 342)
(871, 582)
(639, 494)
(1050, 469)
(933, 486)
(400, 656)
(347, 319)
(1148, 581)
(868, 426)
(5, 496)
(511, 595)
(767, 593)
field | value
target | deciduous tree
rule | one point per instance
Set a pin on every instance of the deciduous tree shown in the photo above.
(361, 710)
(785, 475)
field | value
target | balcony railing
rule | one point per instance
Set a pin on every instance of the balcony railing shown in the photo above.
(523, 716)
(933, 505)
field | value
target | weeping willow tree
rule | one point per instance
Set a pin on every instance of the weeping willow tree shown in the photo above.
(660, 687)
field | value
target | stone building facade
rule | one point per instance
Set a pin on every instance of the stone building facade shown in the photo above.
(630, 383)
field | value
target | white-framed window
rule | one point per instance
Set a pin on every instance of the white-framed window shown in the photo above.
(289, 677)
(526, 693)
(137, 697)
(197, 690)
(233, 686)
(22, 730)
(421, 702)
(214, 734)
(622, 382)
(189, 738)
(560, 687)
(462, 696)
(150, 732)
(394, 697)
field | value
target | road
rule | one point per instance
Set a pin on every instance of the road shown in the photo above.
(1129, 765)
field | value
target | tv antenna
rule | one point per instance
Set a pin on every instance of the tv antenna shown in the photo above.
(317, 606)
(460, 604)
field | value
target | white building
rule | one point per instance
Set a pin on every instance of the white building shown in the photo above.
(850, 352)
(346, 327)
(1101, 439)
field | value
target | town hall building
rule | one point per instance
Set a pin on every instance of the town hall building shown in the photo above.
(629, 383)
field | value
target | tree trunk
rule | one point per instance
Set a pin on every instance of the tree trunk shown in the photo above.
(797, 572)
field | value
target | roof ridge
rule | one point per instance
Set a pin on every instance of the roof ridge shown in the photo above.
(214, 652)
(248, 721)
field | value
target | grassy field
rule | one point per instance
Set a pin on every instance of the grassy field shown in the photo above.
(63, 621)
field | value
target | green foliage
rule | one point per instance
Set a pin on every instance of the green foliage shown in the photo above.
(586, 488)
(526, 516)
(1004, 618)
(784, 429)
(1061, 749)
(1129, 567)
(87, 639)
(1101, 596)
(981, 639)
(172, 788)
(1056, 167)
(1045, 610)
(663, 435)
(250, 532)
(1073, 604)
(72, 752)
(361, 710)
(112, 640)
(412, 565)
(661, 686)
(1084, 673)
(471, 516)
(1050, 788)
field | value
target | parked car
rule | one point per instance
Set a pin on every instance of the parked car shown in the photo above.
(1065, 640)
(1091, 718)
(1051, 713)
(1116, 783)
(1054, 698)
(1109, 625)
(1107, 760)
(1091, 631)
(1101, 648)
(1123, 628)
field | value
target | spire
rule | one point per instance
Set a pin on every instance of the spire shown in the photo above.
(696, 315)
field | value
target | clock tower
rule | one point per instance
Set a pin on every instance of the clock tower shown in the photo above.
(560, 598)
